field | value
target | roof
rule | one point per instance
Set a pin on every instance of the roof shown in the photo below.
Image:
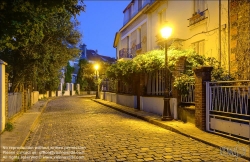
(93, 55)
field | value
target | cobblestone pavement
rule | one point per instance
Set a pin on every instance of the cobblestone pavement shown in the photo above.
(78, 128)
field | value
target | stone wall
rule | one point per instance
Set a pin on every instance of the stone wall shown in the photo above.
(240, 38)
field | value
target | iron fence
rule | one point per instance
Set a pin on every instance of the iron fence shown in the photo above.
(228, 108)
(189, 98)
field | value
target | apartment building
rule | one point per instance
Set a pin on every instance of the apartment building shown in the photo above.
(198, 24)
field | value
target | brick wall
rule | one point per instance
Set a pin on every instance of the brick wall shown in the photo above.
(202, 74)
(240, 38)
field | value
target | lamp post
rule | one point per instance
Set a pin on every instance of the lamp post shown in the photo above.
(166, 116)
(96, 70)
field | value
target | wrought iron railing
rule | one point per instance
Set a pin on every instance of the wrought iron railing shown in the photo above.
(155, 83)
(109, 85)
(125, 53)
(189, 98)
(228, 108)
(197, 17)
(138, 46)
(230, 97)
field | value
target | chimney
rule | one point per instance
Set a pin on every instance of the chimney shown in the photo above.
(84, 48)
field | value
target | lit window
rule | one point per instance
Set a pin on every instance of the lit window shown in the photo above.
(199, 5)
(199, 47)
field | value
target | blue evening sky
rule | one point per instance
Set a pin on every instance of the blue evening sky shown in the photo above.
(99, 24)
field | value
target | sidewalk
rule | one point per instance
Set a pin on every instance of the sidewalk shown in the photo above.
(23, 125)
(186, 129)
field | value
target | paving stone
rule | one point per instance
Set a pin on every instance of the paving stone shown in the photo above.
(110, 135)
(148, 159)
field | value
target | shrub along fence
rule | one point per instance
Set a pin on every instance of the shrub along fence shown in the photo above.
(144, 89)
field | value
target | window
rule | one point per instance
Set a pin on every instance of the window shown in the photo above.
(138, 45)
(162, 17)
(199, 5)
(139, 35)
(127, 42)
(199, 47)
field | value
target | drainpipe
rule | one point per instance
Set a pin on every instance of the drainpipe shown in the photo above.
(220, 31)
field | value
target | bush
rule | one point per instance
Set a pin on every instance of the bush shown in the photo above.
(181, 83)
(9, 126)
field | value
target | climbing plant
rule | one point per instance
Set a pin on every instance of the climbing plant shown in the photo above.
(154, 60)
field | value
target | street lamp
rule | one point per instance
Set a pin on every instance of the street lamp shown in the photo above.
(166, 116)
(96, 70)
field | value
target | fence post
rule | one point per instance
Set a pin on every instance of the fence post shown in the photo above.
(202, 74)
(6, 96)
(24, 99)
(2, 96)
(78, 88)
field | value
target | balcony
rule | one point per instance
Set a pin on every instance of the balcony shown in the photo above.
(138, 47)
(197, 17)
(125, 53)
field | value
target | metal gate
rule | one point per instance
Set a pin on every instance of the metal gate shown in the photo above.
(228, 108)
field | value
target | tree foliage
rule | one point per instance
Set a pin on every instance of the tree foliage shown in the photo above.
(38, 38)
(86, 76)
(69, 71)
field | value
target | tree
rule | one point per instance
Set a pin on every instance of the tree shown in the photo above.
(37, 39)
(24, 21)
(86, 76)
(69, 71)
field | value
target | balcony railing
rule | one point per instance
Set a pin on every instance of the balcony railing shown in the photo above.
(138, 46)
(125, 53)
(197, 17)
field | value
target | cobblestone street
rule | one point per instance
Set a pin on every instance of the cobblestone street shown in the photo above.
(109, 135)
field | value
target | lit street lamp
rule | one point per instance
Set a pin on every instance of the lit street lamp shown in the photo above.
(165, 33)
(96, 70)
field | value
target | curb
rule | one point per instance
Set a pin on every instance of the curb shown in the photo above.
(35, 122)
(155, 122)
